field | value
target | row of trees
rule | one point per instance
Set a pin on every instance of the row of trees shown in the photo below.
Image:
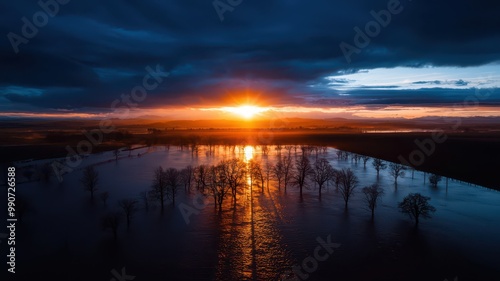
(229, 177)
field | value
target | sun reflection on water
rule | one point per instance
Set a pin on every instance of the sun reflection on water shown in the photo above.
(249, 151)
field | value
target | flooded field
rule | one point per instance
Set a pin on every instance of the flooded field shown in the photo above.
(268, 234)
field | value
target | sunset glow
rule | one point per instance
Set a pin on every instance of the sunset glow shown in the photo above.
(245, 111)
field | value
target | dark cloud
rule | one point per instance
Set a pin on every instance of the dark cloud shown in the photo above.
(91, 52)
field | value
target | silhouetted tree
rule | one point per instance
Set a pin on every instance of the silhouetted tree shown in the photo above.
(111, 221)
(129, 207)
(257, 174)
(372, 194)
(416, 206)
(365, 160)
(348, 182)
(187, 176)
(173, 179)
(268, 169)
(90, 180)
(218, 184)
(279, 172)
(322, 173)
(159, 188)
(303, 170)
(396, 171)
(104, 197)
(288, 174)
(234, 172)
(201, 177)
(378, 165)
(434, 180)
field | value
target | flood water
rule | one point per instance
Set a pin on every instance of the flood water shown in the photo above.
(264, 236)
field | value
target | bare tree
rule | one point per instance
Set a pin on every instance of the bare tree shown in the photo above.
(378, 165)
(129, 207)
(396, 171)
(416, 206)
(111, 221)
(234, 170)
(187, 176)
(288, 174)
(279, 172)
(265, 150)
(257, 173)
(434, 180)
(218, 184)
(201, 177)
(372, 194)
(90, 180)
(159, 188)
(348, 182)
(365, 160)
(268, 169)
(303, 170)
(173, 179)
(322, 173)
(104, 197)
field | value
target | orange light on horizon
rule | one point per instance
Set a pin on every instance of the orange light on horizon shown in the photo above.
(245, 111)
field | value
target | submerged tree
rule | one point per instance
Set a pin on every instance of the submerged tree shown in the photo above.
(173, 180)
(303, 170)
(90, 180)
(187, 176)
(434, 180)
(322, 173)
(287, 171)
(378, 164)
(129, 207)
(111, 221)
(256, 174)
(365, 160)
(372, 194)
(278, 171)
(396, 171)
(159, 188)
(348, 182)
(416, 206)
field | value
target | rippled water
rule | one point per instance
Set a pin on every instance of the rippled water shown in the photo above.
(265, 235)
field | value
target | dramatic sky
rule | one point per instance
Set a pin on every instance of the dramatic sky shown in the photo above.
(431, 58)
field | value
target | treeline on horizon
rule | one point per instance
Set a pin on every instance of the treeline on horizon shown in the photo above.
(462, 156)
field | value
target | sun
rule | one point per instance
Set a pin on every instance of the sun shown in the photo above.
(248, 111)
(245, 111)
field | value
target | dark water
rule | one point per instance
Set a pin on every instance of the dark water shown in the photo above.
(264, 237)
